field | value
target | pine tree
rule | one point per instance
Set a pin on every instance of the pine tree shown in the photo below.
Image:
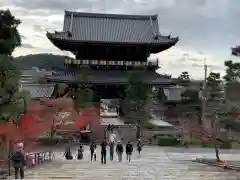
(214, 107)
(137, 96)
(84, 94)
(189, 107)
(12, 101)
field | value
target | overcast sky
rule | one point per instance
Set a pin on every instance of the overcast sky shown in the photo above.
(206, 28)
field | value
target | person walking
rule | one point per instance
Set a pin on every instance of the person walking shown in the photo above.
(80, 152)
(18, 158)
(119, 151)
(111, 150)
(104, 151)
(129, 150)
(68, 154)
(139, 146)
(93, 148)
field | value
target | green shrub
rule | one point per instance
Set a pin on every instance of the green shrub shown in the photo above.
(48, 141)
(195, 142)
(199, 143)
(225, 145)
(168, 141)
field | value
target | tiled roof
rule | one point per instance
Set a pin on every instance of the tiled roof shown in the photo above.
(39, 90)
(160, 123)
(111, 28)
(111, 77)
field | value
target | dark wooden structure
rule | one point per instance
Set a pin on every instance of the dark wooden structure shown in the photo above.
(109, 46)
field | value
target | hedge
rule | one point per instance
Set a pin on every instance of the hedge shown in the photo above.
(48, 141)
(199, 143)
(173, 141)
(168, 141)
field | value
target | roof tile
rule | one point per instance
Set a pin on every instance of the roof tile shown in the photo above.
(112, 77)
(39, 90)
(111, 28)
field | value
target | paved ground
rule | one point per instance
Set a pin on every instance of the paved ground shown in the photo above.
(153, 164)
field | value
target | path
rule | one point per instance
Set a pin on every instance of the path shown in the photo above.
(154, 164)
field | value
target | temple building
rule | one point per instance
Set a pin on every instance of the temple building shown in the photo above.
(109, 46)
(106, 48)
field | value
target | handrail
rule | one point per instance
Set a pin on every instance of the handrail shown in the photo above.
(32, 160)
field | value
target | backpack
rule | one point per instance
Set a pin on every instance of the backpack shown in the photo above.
(18, 156)
(92, 147)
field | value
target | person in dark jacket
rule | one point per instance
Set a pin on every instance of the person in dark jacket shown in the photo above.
(111, 150)
(68, 153)
(18, 161)
(93, 148)
(80, 152)
(119, 150)
(129, 150)
(139, 146)
(104, 151)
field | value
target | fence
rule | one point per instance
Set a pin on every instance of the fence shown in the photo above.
(32, 160)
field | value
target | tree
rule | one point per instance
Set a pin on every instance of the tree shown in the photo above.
(11, 103)
(232, 86)
(236, 51)
(137, 96)
(11, 100)
(47, 115)
(189, 107)
(184, 79)
(9, 77)
(214, 105)
(232, 77)
(9, 35)
(190, 102)
(84, 93)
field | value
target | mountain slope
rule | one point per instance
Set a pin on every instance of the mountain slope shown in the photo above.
(42, 61)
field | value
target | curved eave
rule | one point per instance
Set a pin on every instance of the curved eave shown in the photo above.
(172, 41)
(67, 81)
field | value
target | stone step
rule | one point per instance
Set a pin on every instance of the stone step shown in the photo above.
(153, 163)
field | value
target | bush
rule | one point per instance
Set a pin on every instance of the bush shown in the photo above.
(48, 141)
(195, 142)
(199, 143)
(168, 141)
(225, 145)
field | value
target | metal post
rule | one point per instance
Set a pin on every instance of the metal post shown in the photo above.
(204, 95)
(9, 155)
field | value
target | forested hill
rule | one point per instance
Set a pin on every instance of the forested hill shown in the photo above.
(42, 61)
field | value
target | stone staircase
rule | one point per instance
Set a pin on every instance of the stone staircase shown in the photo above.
(154, 163)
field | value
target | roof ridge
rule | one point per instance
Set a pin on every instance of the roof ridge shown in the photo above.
(39, 85)
(106, 15)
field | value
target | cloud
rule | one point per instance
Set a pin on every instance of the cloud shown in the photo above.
(206, 28)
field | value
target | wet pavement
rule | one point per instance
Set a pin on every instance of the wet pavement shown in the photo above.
(155, 163)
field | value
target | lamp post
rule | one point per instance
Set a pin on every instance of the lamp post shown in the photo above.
(204, 95)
